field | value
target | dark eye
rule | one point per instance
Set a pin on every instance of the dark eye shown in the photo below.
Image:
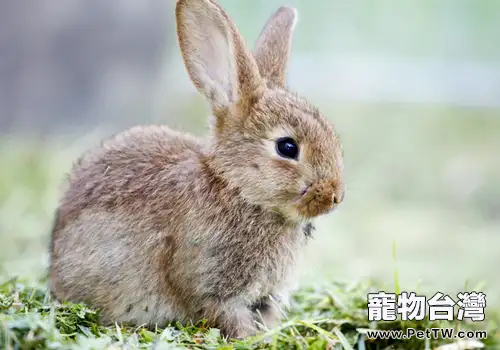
(287, 148)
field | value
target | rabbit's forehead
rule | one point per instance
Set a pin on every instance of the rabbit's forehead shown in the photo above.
(286, 114)
(280, 108)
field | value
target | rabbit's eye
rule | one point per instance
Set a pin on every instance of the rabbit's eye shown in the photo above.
(287, 148)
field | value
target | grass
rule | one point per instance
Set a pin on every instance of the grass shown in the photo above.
(329, 318)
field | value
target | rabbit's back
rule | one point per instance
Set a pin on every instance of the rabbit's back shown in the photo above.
(109, 230)
(129, 170)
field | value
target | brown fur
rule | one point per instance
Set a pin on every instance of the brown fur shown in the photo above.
(158, 226)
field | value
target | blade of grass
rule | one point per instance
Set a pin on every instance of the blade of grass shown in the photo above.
(320, 331)
(343, 339)
(396, 275)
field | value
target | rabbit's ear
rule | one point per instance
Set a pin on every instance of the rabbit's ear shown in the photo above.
(273, 46)
(216, 57)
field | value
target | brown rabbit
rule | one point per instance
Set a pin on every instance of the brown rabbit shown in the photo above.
(159, 226)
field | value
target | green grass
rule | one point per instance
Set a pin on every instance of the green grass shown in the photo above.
(331, 318)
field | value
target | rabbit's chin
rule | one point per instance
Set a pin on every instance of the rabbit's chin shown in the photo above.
(307, 207)
(292, 213)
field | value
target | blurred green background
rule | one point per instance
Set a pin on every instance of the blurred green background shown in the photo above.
(412, 87)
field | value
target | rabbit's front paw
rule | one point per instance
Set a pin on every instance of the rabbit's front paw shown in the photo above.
(238, 324)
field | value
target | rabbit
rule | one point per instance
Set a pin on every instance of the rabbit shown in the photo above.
(158, 226)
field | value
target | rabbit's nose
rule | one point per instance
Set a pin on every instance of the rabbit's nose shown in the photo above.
(321, 198)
